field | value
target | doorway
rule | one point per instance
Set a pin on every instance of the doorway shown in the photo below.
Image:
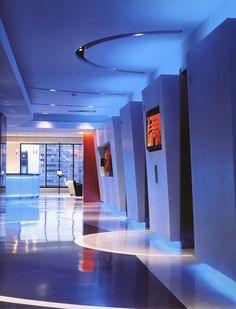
(186, 201)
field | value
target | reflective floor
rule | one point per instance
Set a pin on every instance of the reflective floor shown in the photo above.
(60, 253)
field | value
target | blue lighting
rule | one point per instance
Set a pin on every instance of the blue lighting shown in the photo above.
(135, 225)
(172, 247)
(114, 211)
(217, 280)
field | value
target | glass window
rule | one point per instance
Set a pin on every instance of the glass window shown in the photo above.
(52, 165)
(42, 165)
(47, 159)
(66, 163)
(78, 163)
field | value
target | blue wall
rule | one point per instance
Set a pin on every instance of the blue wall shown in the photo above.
(212, 102)
(164, 204)
(112, 188)
(132, 133)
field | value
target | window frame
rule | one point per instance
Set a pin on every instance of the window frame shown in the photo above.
(45, 167)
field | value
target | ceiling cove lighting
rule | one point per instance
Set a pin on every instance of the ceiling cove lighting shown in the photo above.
(82, 110)
(80, 52)
(125, 94)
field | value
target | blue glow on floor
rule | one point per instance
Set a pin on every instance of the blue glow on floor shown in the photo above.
(217, 280)
(113, 211)
(171, 247)
(135, 225)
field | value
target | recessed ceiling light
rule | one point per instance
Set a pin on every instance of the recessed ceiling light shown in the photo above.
(138, 34)
(45, 113)
(90, 106)
(44, 125)
(53, 90)
(52, 104)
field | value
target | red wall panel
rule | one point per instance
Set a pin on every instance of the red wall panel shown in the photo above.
(90, 187)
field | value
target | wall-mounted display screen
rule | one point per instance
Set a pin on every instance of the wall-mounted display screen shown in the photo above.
(153, 129)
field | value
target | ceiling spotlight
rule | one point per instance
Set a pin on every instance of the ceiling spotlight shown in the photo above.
(138, 34)
(52, 104)
(90, 106)
(44, 125)
(53, 90)
(45, 113)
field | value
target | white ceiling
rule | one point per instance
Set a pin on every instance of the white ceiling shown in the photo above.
(44, 36)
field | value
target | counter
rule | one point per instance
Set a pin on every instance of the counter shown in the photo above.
(22, 185)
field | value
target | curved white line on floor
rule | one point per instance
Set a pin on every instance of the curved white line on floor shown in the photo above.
(39, 303)
(121, 242)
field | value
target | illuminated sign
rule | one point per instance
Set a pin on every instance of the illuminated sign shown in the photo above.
(153, 129)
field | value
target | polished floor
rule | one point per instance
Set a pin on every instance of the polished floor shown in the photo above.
(57, 252)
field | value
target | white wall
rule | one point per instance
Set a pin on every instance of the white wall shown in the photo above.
(13, 157)
(112, 189)
(212, 109)
(164, 200)
(132, 133)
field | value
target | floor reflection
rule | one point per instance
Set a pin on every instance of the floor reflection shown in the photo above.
(40, 260)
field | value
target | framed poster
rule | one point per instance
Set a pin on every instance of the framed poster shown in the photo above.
(153, 129)
(108, 161)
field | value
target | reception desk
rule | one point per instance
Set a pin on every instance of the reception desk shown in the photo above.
(22, 185)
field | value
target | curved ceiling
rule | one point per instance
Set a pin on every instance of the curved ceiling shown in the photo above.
(129, 52)
(44, 36)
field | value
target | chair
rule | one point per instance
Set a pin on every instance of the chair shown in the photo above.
(75, 189)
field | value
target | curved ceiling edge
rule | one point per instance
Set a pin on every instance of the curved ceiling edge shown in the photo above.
(74, 92)
(80, 52)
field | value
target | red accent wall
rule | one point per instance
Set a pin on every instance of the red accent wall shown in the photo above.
(91, 191)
